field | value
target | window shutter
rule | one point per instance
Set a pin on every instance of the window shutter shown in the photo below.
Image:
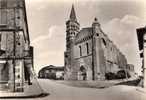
(4, 17)
(3, 13)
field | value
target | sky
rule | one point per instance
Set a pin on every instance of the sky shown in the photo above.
(118, 18)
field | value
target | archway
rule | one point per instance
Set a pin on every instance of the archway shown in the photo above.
(83, 73)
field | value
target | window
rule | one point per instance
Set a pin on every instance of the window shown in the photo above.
(104, 42)
(0, 37)
(3, 12)
(87, 47)
(3, 3)
(80, 50)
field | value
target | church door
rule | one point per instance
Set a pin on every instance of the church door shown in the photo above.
(83, 73)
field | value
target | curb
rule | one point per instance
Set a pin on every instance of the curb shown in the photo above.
(141, 90)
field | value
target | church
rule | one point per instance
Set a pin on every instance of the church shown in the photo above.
(90, 54)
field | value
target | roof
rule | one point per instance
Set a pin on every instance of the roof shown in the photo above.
(52, 67)
(84, 33)
(73, 14)
(140, 33)
(25, 18)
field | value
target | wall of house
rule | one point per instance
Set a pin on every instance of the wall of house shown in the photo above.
(14, 19)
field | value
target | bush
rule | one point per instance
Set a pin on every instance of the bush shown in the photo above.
(119, 75)
(122, 74)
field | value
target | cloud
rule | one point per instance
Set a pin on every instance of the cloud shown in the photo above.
(49, 48)
(46, 20)
(123, 33)
(53, 31)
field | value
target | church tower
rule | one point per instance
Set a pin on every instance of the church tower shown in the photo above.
(72, 28)
(98, 66)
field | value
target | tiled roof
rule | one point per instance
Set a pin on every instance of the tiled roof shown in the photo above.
(84, 33)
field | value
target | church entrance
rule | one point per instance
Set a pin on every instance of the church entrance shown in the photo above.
(82, 73)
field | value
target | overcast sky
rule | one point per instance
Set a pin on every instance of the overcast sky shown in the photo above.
(119, 20)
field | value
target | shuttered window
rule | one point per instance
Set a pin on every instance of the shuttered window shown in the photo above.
(3, 12)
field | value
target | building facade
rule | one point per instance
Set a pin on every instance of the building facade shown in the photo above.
(141, 37)
(52, 72)
(16, 54)
(90, 54)
(130, 69)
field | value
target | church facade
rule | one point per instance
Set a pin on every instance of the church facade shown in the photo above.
(90, 54)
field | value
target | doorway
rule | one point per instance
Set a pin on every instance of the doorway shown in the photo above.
(83, 73)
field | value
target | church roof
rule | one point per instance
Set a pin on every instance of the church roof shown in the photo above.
(73, 14)
(84, 33)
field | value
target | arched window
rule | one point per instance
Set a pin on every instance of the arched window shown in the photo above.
(80, 50)
(87, 47)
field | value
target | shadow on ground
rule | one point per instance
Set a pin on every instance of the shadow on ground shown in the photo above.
(100, 84)
(130, 83)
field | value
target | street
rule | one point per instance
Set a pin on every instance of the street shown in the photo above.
(59, 91)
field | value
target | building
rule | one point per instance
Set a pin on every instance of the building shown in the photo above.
(130, 70)
(16, 54)
(51, 72)
(141, 35)
(90, 54)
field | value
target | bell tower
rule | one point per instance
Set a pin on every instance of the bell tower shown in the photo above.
(72, 28)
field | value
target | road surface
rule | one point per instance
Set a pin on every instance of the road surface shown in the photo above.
(63, 92)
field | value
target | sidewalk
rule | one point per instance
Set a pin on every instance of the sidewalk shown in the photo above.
(20, 95)
(30, 91)
(98, 84)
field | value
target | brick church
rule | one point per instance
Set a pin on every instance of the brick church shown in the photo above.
(90, 54)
